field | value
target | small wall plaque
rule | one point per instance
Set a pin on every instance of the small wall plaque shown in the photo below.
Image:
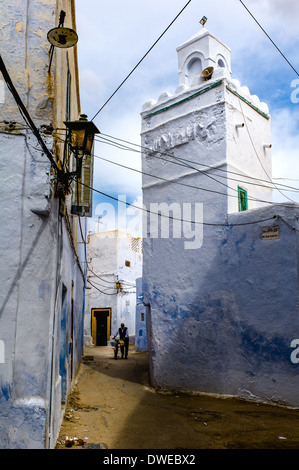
(271, 233)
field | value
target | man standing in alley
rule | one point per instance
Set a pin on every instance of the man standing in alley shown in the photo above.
(123, 341)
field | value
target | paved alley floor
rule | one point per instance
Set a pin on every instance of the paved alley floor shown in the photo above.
(112, 406)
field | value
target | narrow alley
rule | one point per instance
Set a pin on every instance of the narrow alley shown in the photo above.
(112, 406)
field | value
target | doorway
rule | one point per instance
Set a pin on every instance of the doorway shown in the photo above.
(100, 326)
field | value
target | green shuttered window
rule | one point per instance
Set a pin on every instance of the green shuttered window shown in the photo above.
(242, 199)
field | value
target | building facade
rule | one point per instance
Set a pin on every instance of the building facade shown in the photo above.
(220, 272)
(42, 265)
(114, 264)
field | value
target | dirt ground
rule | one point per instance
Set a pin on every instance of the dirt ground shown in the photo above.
(112, 406)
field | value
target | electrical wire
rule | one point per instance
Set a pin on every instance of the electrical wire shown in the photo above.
(190, 161)
(268, 37)
(102, 292)
(287, 223)
(160, 177)
(169, 217)
(256, 153)
(127, 285)
(175, 218)
(141, 59)
(106, 293)
(25, 114)
(203, 223)
(104, 280)
(196, 169)
(105, 288)
(185, 184)
(286, 179)
(182, 161)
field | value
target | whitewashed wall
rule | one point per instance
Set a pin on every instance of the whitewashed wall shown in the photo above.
(37, 257)
(223, 311)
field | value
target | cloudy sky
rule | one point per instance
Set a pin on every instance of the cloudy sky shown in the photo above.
(115, 34)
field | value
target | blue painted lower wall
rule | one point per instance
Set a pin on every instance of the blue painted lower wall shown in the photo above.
(42, 330)
(224, 322)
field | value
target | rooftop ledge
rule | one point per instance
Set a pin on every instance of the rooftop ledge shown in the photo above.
(232, 86)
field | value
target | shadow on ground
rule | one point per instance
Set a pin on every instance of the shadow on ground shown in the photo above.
(112, 406)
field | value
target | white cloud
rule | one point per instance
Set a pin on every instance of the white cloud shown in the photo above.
(282, 8)
(119, 176)
(285, 152)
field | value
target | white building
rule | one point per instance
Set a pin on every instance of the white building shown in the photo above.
(220, 274)
(42, 271)
(114, 264)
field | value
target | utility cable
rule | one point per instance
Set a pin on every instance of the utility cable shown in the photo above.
(185, 184)
(160, 177)
(142, 59)
(105, 288)
(25, 113)
(107, 293)
(252, 143)
(180, 162)
(123, 283)
(183, 160)
(104, 280)
(175, 218)
(269, 37)
(203, 223)
(142, 148)
(102, 292)
(287, 223)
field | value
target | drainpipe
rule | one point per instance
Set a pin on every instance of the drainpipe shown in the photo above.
(52, 329)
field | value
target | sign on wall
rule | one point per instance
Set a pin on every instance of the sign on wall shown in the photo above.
(271, 233)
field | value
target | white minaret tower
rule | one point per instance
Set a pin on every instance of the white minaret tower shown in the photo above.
(213, 122)
(203, 145)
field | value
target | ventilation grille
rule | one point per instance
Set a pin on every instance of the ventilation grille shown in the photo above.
(136, 245)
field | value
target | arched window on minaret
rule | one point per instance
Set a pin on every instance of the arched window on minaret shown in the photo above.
(221, 62)
(194, 69)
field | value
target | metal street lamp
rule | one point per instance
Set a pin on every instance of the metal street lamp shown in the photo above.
(61, 37)
(82, 134)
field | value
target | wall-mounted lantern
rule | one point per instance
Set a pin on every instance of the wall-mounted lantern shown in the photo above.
(80, 139)
(81, 135)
